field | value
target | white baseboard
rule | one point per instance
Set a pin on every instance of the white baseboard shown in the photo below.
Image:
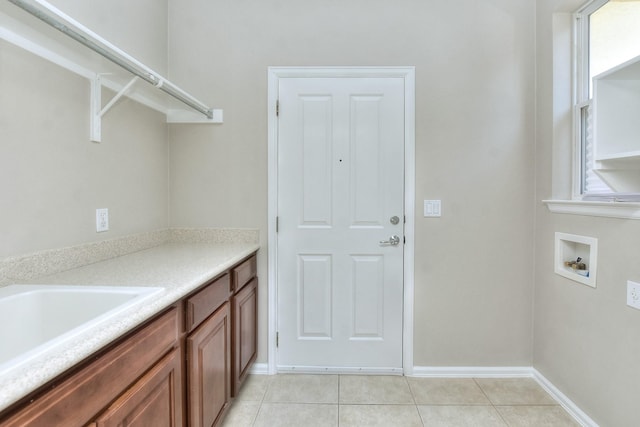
(508, 372)
(472, 372)
(259, 369)
(573, 409)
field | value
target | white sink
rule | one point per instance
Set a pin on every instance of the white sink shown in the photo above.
(37, 318)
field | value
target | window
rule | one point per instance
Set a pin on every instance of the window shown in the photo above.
(607, 101)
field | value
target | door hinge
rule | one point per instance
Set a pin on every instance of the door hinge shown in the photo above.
(277, 339)
(277, 224)
(404, 240)
(278, 108)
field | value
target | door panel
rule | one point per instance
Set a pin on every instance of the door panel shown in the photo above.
(366, 189)
(317, 192)
(340, 180)
(315, 304)
(368, 297)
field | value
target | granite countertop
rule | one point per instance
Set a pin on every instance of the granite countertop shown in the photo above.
(179, 268)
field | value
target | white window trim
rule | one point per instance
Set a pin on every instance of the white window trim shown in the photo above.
(623, 210)
(578, 206)
(580, 87)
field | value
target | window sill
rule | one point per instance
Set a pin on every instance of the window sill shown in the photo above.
(624, 210)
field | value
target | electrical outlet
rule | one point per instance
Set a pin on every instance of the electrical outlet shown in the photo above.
(633, 294)
(102, 220)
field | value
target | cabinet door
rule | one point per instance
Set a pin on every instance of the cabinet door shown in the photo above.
(209, 369)
(154, 400)
(244, 309)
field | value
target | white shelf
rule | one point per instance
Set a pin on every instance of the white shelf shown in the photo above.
(616, 112)
(570, 247)
(622, 156)
(25, 30)
(622, 179)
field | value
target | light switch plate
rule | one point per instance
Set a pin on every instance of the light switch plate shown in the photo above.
(432, 208)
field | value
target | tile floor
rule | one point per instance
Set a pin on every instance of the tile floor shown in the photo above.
(298, 400)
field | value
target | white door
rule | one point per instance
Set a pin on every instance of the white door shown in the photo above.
(340, 222)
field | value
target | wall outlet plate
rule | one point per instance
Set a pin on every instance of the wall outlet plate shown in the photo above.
(633, 294)
(102, 220)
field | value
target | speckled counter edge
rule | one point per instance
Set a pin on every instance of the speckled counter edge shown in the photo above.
(26, 267)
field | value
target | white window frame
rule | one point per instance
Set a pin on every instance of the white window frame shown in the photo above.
(581, 95)
(578, 77)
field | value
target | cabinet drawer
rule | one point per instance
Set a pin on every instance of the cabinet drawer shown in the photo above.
(206, 301)
(244, 272)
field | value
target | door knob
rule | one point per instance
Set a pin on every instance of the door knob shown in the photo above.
(393, 241)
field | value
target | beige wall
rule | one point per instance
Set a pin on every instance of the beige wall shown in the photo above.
(474, 145)
(138, 27)
(477, 267)
(52, 178)
(587, 341)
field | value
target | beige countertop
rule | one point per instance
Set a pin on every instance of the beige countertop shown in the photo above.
(179, 268)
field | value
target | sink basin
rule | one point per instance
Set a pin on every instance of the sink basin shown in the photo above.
(37, 318)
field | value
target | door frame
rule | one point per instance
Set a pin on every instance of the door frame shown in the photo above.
(273, 76)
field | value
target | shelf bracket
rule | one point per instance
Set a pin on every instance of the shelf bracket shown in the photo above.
(45, 35)
(97, 111)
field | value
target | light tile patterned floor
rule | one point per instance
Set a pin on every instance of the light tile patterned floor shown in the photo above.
(298, 400)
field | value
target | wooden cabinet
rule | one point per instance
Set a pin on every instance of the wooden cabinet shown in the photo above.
(220, 349)
(200, 349)
(154, 400)
(244, 272)
(245, 339)
(204, 302)
(208, 350)
(79, 398)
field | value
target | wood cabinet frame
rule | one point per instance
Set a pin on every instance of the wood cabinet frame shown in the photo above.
(100, 382)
